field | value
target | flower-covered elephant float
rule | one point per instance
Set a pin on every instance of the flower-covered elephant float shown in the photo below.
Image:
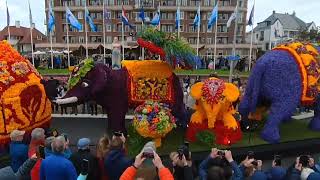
(130, 86)
(214, 111)
(23, 101)
(282, 80)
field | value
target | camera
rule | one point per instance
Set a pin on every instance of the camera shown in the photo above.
(255, 163)
(148, 153)
(117, 134)
(277, 160)
(221, 153)
(184, 150)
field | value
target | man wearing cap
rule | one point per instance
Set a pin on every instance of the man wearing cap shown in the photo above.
(18, 150)
(84, 153)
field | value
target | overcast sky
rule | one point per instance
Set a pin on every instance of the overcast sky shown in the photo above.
(307, 10)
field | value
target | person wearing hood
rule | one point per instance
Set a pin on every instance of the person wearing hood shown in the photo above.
(84, 153)
(116, 161)
(18, 150)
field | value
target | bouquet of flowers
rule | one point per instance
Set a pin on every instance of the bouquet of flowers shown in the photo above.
(153, 120)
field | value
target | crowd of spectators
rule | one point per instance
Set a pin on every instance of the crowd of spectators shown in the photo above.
(48, 156)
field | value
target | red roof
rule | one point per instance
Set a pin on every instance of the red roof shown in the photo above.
(24, 33)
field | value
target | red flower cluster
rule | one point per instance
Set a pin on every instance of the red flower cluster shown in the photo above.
(152, 47)
(212, 90)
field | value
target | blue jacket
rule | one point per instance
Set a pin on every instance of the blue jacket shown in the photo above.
(277, 173)
(203, 167)
(116, 163)
(56, 166)
(314, 176)
(18, 154)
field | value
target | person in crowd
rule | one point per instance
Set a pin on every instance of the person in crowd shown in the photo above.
(56, 166)
(130, 172)
(84, 153)
(37, 139)
(252, 168)
(102, 150)
(18, 150)
(302, 169)
(48, 147)
(277, 172)
(7, 173)
(219, 161)
(182, 164)
(116, 160)
(67, 151)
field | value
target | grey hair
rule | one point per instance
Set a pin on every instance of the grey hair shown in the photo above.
(58, 144)
(48, 142)
(38, 133)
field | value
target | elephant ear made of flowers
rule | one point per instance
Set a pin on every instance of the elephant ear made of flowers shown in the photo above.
(23, 101)
(214, 102)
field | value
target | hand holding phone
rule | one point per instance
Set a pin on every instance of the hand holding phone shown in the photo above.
(41, 153)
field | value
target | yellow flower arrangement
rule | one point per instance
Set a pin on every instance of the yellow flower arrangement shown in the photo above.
(23, 101)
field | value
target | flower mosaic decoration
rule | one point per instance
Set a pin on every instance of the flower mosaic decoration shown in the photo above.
(308, 61)
(23, 101)
(212, 90)
(153, 120)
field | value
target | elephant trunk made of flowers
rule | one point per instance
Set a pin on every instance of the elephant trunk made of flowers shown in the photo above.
(130, 86)
(282, 80)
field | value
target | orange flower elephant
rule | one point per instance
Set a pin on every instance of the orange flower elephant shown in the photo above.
(214, 99)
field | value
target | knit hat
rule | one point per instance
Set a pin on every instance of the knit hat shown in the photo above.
(149, 147)
(16, 133)
(83, 143)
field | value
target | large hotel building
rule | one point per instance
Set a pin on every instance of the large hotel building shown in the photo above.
(168, 9)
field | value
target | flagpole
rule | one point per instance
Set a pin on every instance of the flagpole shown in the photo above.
(142, 26)
(234, 43)
(159, 22)
(179, 19)
(215, 39)
(104, 33)
(122, 34)
(85, 27)
(198, 30)
(68, 46)
(51, 50)
(31, 36)
(250, 51)
(8, 23)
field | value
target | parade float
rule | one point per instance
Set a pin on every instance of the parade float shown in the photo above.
(214, 111)
(281, 81)
(23, 101)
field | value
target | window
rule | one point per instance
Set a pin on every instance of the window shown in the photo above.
(80, 15)
(39, 37)
(184, 2)
(240, 3)
(109, 39)
(99, 15)
(109, 27)
(181, 14)
(261, 36)
(209, 40)
(78, 2)
(93, 39)
(99, 27)
(73, 39)
(81, 39)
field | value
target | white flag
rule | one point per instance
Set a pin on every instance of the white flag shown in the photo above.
(232, 17)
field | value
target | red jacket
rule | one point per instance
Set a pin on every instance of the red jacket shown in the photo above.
(130, 173)
(33, 148)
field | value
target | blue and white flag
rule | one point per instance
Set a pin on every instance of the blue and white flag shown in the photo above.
(125, 19)
(213, 18)
(178, 18)
(156, 18)
(232, 17)
(72, 19)
(90, 21)
(141, 14)
(51, 20)
(197, 19)
(250, 21)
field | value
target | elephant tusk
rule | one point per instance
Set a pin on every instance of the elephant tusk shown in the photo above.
(67, 100)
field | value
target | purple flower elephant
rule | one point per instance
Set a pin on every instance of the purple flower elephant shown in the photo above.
(276, 82)
(109, 89)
